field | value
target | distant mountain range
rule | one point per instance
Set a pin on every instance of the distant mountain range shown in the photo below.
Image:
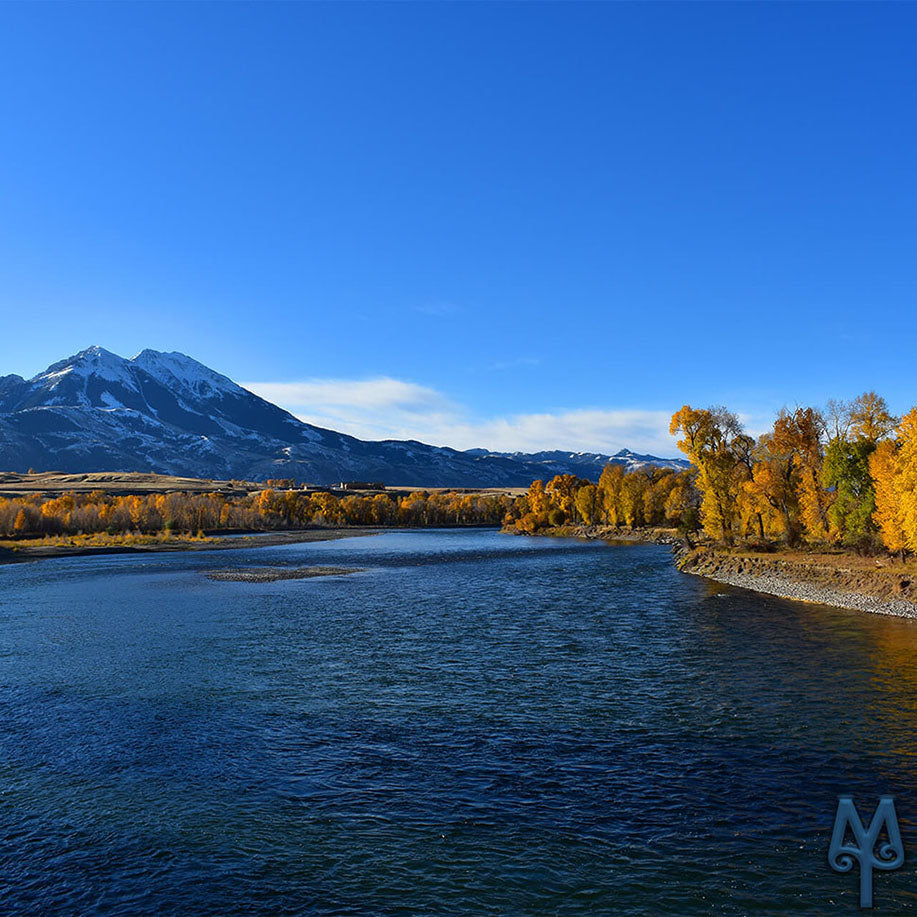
(165, 412)
(584, 464)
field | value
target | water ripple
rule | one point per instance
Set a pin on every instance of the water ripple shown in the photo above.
(476, 724)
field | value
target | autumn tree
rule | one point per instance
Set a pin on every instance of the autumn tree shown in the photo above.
(883, 467)
(715, 442)
(804, 433)
(587, 503)
(870, 418)
(857, 428)
(683, 503)
(610, 484)
(905, 480)
(658, 486)
(561, 490)
(769, 496)
(633, 490)
(538, 500)
(384, 511)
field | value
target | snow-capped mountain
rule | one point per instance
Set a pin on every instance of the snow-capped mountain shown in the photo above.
(165, 412)
(585, 464)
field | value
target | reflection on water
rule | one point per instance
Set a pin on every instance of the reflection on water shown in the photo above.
(477, 723)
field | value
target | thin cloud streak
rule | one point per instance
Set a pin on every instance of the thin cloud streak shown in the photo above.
(387, 408)
(359, 394)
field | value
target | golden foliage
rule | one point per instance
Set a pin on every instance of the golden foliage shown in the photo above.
(781, 486)
(714, 441)
(883, 466)
(905, 483)
(269, 509)
(653, 497)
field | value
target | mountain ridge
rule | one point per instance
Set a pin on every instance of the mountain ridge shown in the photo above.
(165, 411)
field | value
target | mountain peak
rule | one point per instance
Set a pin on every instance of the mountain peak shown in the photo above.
(93, 360)
(96, 411)
(178, 368)
(97, 356)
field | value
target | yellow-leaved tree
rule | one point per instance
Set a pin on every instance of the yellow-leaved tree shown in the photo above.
(883, 467)
(784, 497)
(714, 441)
(561, 490)
(587, 504)
(611, 482)
(906, 478)
(870, 418)
(893, 467)
(539, 501)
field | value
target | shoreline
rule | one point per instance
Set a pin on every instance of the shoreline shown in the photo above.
(839, 579)
(234, 542)
(844, 582)
(609, 533)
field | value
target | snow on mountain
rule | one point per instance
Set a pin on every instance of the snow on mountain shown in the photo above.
(82, 379)
(183, 373)
(585, 464)
(97, 411)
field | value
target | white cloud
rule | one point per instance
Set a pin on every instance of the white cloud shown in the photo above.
(580, 430)
(367, 393)
(387, 408)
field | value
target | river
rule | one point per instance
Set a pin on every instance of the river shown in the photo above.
(476, 723)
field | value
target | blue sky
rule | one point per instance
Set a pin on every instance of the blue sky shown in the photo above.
(519, 226)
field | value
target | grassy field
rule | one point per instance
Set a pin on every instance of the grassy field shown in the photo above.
(14, 484)
(118, 483)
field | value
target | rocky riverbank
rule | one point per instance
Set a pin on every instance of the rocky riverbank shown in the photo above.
(842, 580)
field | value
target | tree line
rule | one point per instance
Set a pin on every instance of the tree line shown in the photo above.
(653, 497)
(644, 497)
(97, 512)
(846, 475)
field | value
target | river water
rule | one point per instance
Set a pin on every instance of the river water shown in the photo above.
(475, 724)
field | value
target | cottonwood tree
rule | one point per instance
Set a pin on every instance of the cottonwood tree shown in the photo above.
(721, 451)
(858, 428)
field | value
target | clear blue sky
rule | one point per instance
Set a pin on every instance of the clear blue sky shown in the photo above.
(540, 224)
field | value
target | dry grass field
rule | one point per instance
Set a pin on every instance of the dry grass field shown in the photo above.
(13, 484)
(118, 483)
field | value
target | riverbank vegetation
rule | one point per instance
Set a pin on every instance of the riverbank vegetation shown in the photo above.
(844, 476)
(99, 513)
(640, 499)
(102, 540)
